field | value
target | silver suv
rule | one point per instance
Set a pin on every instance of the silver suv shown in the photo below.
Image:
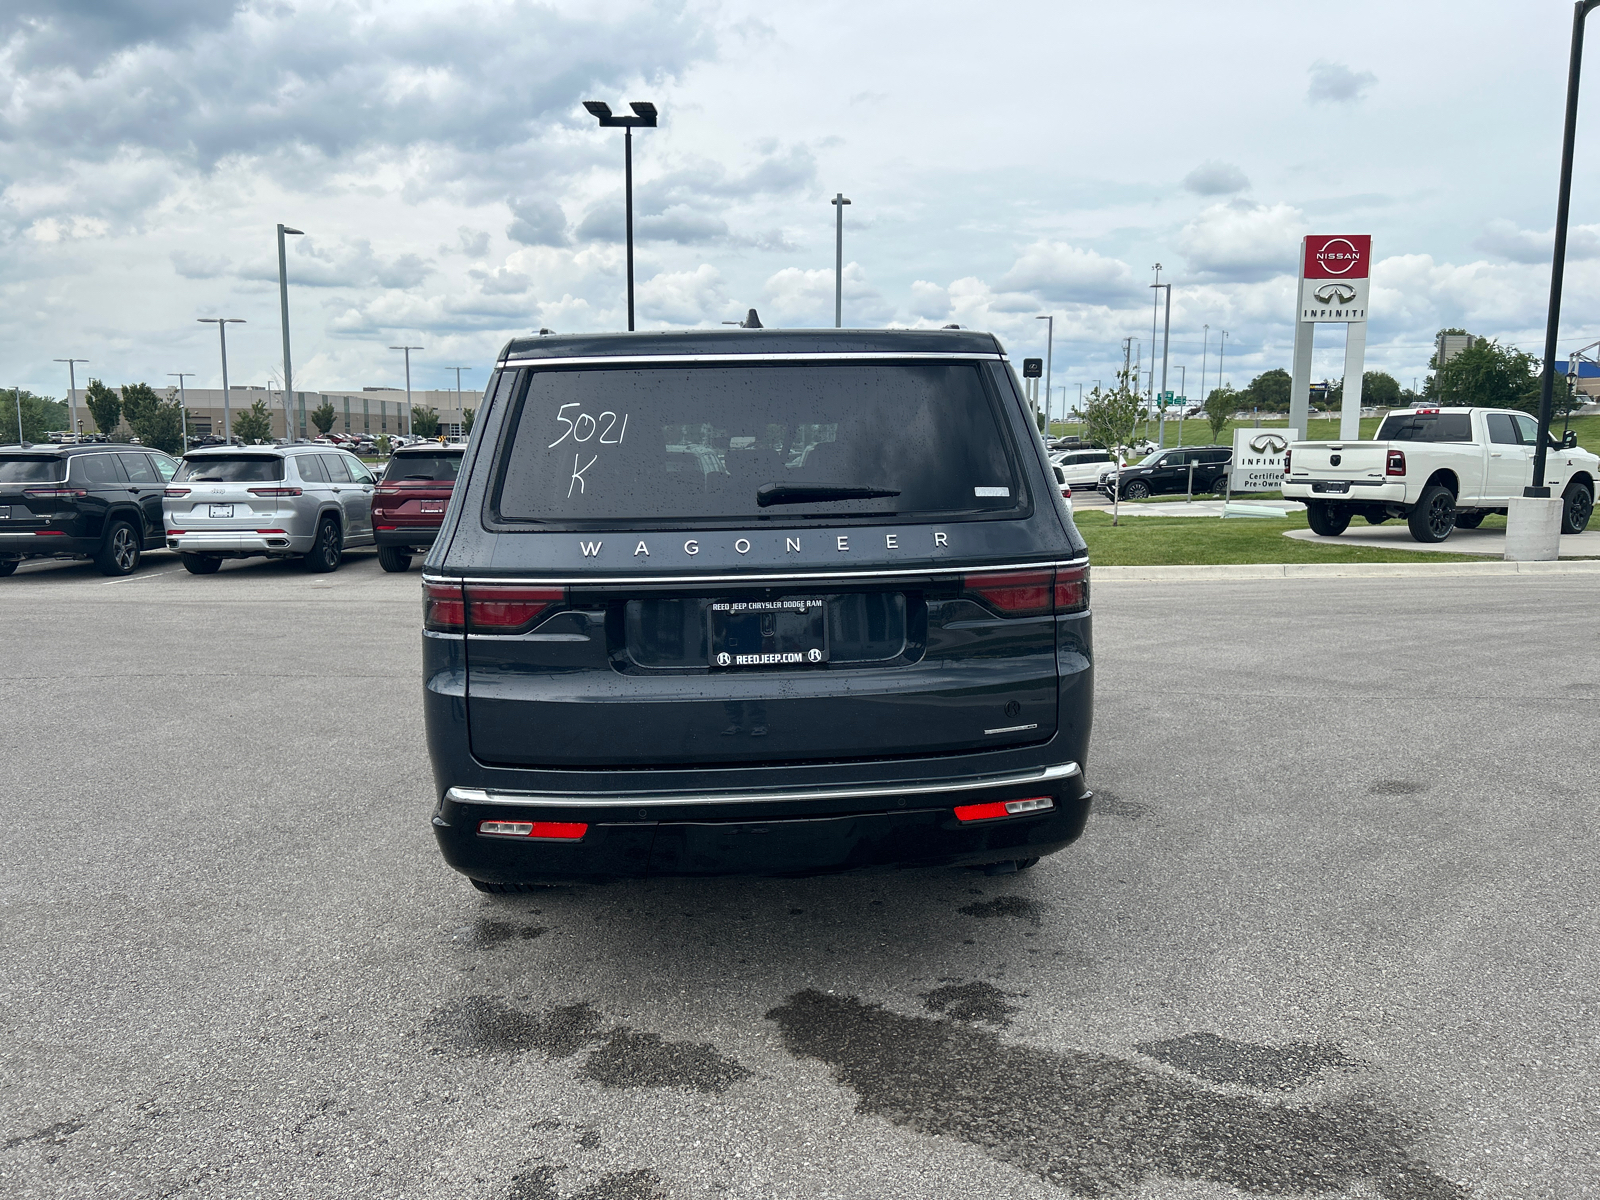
(272, 501)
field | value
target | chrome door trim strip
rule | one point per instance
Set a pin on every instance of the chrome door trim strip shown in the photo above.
(462, 795)
(851, 356)
(753, 580)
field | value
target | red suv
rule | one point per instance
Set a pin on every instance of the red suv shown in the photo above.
(408, 507)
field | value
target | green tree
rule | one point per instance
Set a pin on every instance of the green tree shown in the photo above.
(41, 415)
(1490, 375)
(424, 422)
(138, 402)
(1220, 406)
(466, 419)
(154, 421)
(104, 405)
(1109, 415)
(322, 417)
(254, 424)
(1268, 391)
(1380, 389)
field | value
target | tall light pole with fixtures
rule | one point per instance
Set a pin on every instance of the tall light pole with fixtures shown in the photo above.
(1222, 350)
(839, 201)
(1166, 341)
(644, 118)
(1049, 354)
(1155, 311)
(72, 389)
(408, 350)
(459, 409)
(222, 324)
(183, 403)
(283, 302)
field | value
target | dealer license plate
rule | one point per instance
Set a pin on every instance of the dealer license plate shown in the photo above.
(222, 510)
(768, 634)
(1331, 487)
(5, 512)
(432, 506)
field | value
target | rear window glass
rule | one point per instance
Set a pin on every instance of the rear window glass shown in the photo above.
(30, 470)
(231, 468)
(773, 441)
(1426, 427)
(423, 467)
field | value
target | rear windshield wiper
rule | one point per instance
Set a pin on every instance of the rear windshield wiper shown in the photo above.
(791, 493)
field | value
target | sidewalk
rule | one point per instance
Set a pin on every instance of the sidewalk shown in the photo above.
(1488, 542)
(1176, 508)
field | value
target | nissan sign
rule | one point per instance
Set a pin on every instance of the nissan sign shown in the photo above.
(1338, 256)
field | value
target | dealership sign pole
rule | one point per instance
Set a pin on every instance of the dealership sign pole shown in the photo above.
(1334, 282)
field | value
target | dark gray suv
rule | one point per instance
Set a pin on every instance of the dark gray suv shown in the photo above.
(771, 602)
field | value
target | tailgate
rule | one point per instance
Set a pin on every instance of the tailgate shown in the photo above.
(771, 675)
(1337, 460)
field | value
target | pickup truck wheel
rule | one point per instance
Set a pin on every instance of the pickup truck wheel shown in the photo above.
(1576, 509)
(1137, 490)
(393, 559)
(1434, 515)
(1470, 520)
(1325, 519)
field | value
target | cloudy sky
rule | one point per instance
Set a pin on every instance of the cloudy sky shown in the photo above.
(1002, 160)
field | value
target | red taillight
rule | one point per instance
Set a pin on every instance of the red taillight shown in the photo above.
(553, 831)
(444, 609)
(176, 532)
(1066, 491)
(274, 491)
(1003, 808)
(1286, 455)
(53, 493)
(508, 608)
(1396, 464)
(1425, 412)
(1031, 593)
(176, 491)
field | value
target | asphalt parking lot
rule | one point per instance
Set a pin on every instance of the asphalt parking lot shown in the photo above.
(1332, 929)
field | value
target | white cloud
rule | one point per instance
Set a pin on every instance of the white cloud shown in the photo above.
(692, 297)
(1068, 274)
(1214, 178)
(1337, 83)
(1240, 241)
(1506, 240)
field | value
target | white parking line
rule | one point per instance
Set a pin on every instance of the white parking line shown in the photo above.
(136, 578)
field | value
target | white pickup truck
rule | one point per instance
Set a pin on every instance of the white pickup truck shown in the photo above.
(1438, 468)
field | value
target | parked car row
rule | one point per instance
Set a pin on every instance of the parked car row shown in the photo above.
(1197, 468)
(113, 502)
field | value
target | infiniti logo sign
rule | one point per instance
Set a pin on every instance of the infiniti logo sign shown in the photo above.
(1335, 293)
(1269, 443)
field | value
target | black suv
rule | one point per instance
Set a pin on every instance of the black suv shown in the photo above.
(774, 602)
(1168, 471)
(99, 501)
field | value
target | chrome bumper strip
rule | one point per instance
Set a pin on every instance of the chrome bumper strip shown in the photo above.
(461, 795)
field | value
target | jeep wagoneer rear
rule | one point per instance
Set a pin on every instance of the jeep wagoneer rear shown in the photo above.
(755, 602)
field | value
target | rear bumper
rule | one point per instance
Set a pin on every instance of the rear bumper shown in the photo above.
(806, 832)
(420, 536)
(240, 544)
(1357, 491)
(31, 545)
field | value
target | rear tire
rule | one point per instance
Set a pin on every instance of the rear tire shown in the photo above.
(327, 550)
(1325, 519)
(393, 559)
(1137, 490)
(119, 551)
(1470, 520)
(201, 564)
(1434, 515)
(1577, 509)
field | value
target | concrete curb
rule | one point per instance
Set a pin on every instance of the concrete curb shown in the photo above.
(1401, 570)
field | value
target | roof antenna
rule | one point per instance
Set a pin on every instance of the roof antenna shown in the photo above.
(751, 322)
(545, 332)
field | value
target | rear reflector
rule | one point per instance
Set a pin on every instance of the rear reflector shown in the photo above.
(551, 831)
(1003, 808)
(176, 532)
(384, 528)
(49, 533)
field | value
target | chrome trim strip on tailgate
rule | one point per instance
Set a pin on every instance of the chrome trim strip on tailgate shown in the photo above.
(752, 579)
(673, 799)
(637, 359)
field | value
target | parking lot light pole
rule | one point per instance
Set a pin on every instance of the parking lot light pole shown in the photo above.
(222, 324)
(408, 350)
(459, 409)
(1049, 353)
(645, 118)
(183, 404)
(72, 389)
(283, 302)
(838, 202)
(16, 394)
(1166, 341)
(1580, 12)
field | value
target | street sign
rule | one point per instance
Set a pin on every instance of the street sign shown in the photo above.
(1032, 368)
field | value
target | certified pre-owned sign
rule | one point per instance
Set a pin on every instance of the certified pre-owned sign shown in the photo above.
(1257, 460)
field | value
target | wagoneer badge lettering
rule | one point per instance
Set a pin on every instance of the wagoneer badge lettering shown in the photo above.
(641, 548)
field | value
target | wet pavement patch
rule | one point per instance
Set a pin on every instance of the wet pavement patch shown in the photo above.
(1005, 906)
(492, 933)
(975, 1001)
(1094, 1124)
(1395, 787)
(483, 1025)
(1264, 1068)
(632, 1059)
(539, 1183)
(1108, 805)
